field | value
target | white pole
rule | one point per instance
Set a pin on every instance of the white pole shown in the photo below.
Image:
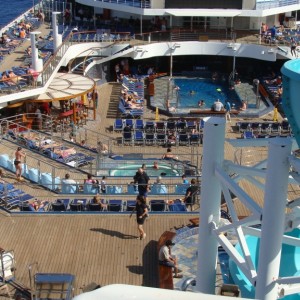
(233, 67)
(34, 50)
(213, 154)
(56, 36)
(171, 62)
(273, 218)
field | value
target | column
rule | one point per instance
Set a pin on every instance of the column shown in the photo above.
(37, 63)
(57, 38)
(273, 218)
(213, 154)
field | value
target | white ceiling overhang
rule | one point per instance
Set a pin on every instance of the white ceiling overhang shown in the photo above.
(203, 12)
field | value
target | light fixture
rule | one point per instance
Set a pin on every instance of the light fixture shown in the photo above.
(271, 50)
(262, 52)
(231, 45)
(175, 46)
(138, 49)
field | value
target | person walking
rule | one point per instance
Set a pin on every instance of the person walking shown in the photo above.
(17, 162)
(228, 110)
(141, 215)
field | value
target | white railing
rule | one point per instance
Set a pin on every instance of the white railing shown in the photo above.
(267, 4)
(134, 3)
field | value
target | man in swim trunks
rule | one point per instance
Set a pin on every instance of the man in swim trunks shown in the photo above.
(17, 162)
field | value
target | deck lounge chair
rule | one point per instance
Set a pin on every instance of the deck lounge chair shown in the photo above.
(94, 206)
(149, 126)
(171, 125)
(275, 128)
(161, 139)
(118, 125)
(58, 206)
(243, 126)
(139, 124)
(195, 139)
(78, 204)
(191, 125)
(161, 127)
(285, 127)
(183, 139)
(157, 205)
(127, 138)
(115, 205)
(181, 126)
(130, 205)
(138, 138)
(149, 138)
(177, 206)
(265, 128)
(248, 135)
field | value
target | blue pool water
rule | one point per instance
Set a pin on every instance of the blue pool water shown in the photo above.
(192, 90)
(130, 170)
(289, 265)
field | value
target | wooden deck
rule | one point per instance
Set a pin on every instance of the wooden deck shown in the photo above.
(96, 248)
(101, 248)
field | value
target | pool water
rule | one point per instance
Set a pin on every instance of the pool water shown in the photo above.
(130, 170)
(192, 90)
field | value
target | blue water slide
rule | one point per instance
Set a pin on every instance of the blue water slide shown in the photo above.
(289, 265)
(291, 95)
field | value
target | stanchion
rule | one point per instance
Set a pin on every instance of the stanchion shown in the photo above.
(156, 114)
(275, 116)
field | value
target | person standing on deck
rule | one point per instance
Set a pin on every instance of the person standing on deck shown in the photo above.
(17, 162)
(142, 179)
(141, 215)
(228, 110)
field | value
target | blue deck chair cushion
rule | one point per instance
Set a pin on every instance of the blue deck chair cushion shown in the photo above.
(4, 158)
(115, 205)
(90, 189)
(33, 175)
(181, 188)
(159, 189)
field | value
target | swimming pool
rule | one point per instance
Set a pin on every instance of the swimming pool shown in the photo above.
(130, 170)
(289, 264)
(192, 90)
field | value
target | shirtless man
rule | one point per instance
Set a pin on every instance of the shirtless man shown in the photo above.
(17, 162)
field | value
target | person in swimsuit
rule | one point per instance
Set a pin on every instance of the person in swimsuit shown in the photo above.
(17, 162)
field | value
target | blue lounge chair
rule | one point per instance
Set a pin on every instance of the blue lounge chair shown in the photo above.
(139, 124)
(183, 139)
(157, 205)
(138, 138)
(177, 206)
(118, 125)
(115, 205)
(130, 205)
(248, 135)
(127, 138)
(150, 138)
(78, 204)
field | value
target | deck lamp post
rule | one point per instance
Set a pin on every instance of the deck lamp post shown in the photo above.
(233, 64)
(172, 49)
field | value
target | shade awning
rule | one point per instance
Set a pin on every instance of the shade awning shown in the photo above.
(66, 86)
(203, 12)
